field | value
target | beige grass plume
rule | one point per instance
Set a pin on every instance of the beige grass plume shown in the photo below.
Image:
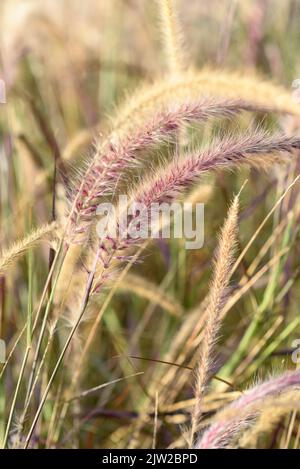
(11, 254)
(171, 35)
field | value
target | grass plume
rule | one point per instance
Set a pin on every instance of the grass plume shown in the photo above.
(171, 36)
(166, 129)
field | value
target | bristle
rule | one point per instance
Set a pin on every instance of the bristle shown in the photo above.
(237, 415)
(171, 36)
(218, 291)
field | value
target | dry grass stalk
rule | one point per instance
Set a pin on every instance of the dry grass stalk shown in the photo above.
(238, 415)
(171, 35)
(218, 291)
(11, 254)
